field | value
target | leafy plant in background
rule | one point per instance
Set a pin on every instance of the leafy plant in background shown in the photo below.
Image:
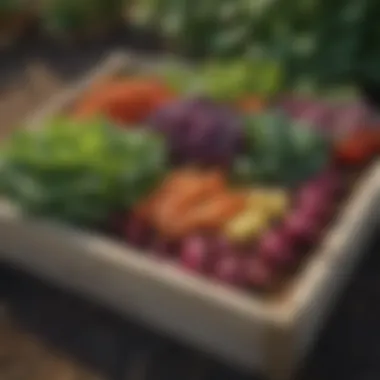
(321, 41)
(12, 5)
(317, 41)
(216, 28)
(80, 16)
(14, 15)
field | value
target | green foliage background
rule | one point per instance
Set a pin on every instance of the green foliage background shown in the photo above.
(330, 41)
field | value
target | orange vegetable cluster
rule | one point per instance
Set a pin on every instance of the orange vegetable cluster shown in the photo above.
(190, 200)
(124, 100)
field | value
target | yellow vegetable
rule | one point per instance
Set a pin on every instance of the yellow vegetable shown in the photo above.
(246, 225)
(257, 199)
(274, 202)
(278, 203)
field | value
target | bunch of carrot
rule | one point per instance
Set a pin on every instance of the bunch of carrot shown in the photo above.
(190, 201)
(124, 101)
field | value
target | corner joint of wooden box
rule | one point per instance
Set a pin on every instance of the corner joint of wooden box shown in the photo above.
(280, 350)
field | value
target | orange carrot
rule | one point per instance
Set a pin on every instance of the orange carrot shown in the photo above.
(211, 214)
(124, 101)
(189, 181)
(215, 212)
(180, 195)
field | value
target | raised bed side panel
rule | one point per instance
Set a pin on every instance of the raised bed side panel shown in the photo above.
(328, 272)
(211, 316)
(316, 288)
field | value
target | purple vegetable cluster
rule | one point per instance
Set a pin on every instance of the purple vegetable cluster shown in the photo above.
(199, 131)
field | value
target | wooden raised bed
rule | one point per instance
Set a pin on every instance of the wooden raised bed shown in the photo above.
(270, 335)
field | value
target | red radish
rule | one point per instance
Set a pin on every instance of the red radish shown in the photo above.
(228, 269)
(257, 273)
(137, 233)
(330, 181)
(277, 248)
(116, 223)
(316, 213)
(316, 199)
(220, 246)
(312, 193)
(194, 253)
(301, 227)
(162, 248)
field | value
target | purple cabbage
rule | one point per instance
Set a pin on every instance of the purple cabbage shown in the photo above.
(200, 131)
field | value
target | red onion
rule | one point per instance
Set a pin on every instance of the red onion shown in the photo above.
(137, 233)
(277, 248)
(228, 270)
(163, 248)
(301, 227)
(194, 253)
(257, 273)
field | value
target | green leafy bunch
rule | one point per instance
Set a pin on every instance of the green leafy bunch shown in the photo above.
(80, 172)
(281, 152)
(229, 81)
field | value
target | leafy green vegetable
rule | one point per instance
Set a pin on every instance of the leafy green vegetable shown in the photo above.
(80, 172)
(229, 81)
(279, 152)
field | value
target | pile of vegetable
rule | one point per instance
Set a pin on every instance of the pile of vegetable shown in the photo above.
(237, 194)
